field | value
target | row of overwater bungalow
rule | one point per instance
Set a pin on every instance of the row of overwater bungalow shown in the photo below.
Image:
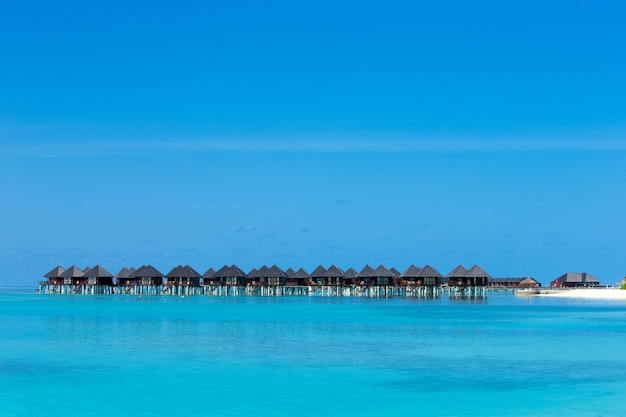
(231, 280)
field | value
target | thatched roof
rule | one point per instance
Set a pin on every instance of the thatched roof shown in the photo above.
(394, 271)
(382, 272)
(302, 273)
(236, 272)
(350, 273)
(72, 272)
(183, 272)
(209, 273)
(55, 273)
(222, 272)
(578, 278)
(318, 272)
(146, 271)
(290, 273)
(260, 273)
(97, 272)
(124, 273)
(429, 272)
(365, 272)
(232, 271)
(275, 272)
(334, 272)
(174, 272)
(87, 269)
(458, 272)
(253, 273)
(189, 272)
(477, 272)
(411, 272)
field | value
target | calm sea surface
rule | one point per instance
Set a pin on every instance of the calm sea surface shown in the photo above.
(205, 356)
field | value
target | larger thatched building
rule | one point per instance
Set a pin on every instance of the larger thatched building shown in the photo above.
(575, 279)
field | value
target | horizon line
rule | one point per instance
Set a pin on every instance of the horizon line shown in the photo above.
(106, 148)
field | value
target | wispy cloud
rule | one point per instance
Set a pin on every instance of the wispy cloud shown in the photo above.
(416, 226)
(332, 143)
(246, 228)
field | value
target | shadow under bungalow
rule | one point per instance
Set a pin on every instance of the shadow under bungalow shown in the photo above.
(231, 280)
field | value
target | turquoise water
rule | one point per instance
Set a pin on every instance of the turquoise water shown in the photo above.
(206, 356)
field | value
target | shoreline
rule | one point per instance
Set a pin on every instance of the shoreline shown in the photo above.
(589, 293)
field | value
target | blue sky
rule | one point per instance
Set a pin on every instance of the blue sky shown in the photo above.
(301, 133)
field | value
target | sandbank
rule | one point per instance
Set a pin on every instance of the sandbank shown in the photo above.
(594, 293)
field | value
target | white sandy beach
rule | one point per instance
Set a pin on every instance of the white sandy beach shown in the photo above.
(595, 293)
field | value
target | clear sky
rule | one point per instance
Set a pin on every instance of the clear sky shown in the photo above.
(301, 133)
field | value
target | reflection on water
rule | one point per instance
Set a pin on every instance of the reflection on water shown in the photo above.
(306, 356)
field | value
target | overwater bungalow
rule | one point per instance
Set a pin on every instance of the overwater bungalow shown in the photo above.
(208, 276)
(98, 276)
(363, 277)
(130, 279)
(183, 275)
(123, 275)
(351, 278)
(457, 276)
(334, 276)
(394, 271)
(429, 277)
(238, 273)
(303, 277)
(73, 275)
(54, 276)
(521, 282)
(575, 279)
(230, 275)
(477, 277)
(273, 281)
(273, 276)
(381, 276)
(219, 276)
(146, 275)
(318, 276)
(254, 276)
(291, 277)
(410, 276)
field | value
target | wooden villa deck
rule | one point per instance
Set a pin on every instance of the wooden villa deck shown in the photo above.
(374, 291)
